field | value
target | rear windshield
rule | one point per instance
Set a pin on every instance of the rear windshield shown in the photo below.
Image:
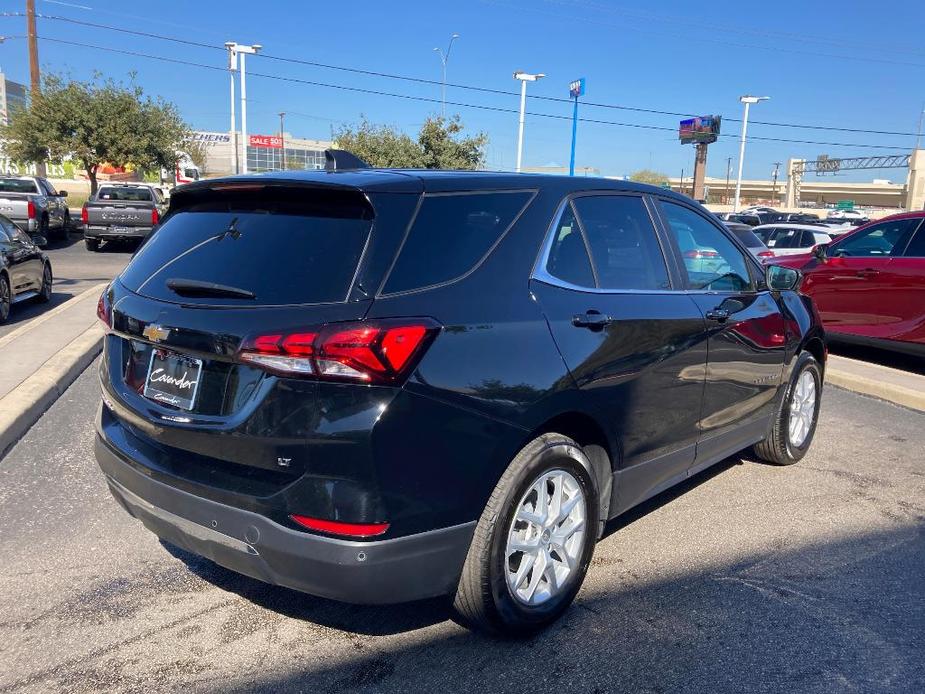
(15, 185)
(125, 193)
(748, 237)
(450, 235)
(284, 246)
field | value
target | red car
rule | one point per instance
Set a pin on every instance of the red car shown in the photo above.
(869, 285)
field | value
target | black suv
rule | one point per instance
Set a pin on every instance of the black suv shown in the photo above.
(381, 385)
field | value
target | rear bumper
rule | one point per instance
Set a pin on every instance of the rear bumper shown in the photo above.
(408, 568)
(102, 232)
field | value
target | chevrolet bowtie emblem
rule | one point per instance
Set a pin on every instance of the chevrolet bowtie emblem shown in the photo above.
(155, 333)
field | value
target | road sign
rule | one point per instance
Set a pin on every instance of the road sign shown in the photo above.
(845, 205)
(577, 88)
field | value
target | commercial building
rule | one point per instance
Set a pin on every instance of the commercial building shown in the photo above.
(264, 152)
(13, 96)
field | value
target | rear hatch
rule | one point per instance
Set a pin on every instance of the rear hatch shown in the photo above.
(229, 266)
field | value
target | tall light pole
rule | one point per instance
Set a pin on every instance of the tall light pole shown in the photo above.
(524, 77)
(238, 49)
(748, 100)
(232, 68)
(575, 89)
(282, 138)
(918, 133)
(444, 59)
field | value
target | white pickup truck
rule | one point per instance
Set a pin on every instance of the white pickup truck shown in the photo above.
(34, 205)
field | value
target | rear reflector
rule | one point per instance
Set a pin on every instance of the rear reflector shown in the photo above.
(339, 528)
(369, 351)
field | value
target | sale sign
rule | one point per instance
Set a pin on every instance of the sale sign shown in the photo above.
(266, 141)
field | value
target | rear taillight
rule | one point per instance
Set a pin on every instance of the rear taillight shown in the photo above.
(155, 217)
(30, 209)
(104, 310)
(368, 352)
(698, 254)
(84, 215)
(765, 254)
(340, 528)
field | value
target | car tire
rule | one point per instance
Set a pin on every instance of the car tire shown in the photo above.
(92, 245)
(493, 594)
(6, 298)
(786, 444)
(66, 224)
(45, 293)
(44, 228)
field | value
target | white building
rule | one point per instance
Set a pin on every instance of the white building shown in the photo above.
(264, 152)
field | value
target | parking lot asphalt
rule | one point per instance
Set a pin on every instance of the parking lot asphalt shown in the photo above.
(75, 270)
(749, 577)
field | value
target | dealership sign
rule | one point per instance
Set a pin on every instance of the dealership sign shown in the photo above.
(266, 141)
(212, 138)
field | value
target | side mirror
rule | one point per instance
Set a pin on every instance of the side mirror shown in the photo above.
(821, 252)
(780, 278)
(62, 193)
(40, 241)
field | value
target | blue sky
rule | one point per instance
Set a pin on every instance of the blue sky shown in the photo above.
(850, 67)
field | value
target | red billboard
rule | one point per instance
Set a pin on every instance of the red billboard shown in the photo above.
(265, 141)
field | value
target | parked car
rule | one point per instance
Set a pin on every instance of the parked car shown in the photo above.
(747, 236)
(869, 284)
(25, 272)
(35, 206)
(379, 386)
(849, 215)
(121, 211)
(791, 239)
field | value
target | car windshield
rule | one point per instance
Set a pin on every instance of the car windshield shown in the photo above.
(17, 185)
(125, 193)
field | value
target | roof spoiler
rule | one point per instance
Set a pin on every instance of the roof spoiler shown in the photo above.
(340, 159)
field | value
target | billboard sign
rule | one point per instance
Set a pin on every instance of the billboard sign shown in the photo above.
(577, 88)
(702, 129)
(208, 138)
(271, 141)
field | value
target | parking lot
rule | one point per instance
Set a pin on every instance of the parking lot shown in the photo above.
(747, 578)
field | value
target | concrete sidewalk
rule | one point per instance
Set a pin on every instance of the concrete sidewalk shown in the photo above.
(42, 358)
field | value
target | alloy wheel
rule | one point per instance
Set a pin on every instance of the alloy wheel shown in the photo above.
(546, 538)
(802, 408)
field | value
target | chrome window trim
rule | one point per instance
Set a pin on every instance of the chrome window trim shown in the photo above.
(540, 273)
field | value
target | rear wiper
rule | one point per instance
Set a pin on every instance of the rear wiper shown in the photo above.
(185, 287)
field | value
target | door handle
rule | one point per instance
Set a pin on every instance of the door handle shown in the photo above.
(591, 319)
(720, 315)
(868, 272)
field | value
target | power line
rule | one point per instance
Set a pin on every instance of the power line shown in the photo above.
(484, 90)
(411, 97)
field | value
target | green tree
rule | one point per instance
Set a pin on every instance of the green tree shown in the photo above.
(95, 122)
(654, 178)
(439, 145)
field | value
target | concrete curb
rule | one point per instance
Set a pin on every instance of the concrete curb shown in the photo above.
(900, 395)
(23, 406)
(48, 315)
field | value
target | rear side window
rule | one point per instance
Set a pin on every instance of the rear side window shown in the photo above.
(568, 256)
(623, 242)
(916, 247)
(125, 194)
(286, 246)
(450, 235)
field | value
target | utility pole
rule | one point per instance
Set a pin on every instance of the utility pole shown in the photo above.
(774, 185)
(282, 140)
(681, 184)
(242, 51)
(918, 136)
(524, 77)
(728, 174)
(34, 76)
(232, 68)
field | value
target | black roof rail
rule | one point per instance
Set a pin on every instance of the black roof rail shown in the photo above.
(340, 159)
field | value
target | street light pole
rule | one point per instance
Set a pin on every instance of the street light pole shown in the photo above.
(444, 59)
(748, 100)
(918, 135)
(243, 51)
(282, 138)
(232, 68)
(524, 77)
(728, 174)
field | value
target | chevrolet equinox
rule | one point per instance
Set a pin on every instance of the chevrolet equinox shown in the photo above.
(380, 386)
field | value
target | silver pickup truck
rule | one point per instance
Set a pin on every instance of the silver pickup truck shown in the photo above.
(34, 205)
(121, 211)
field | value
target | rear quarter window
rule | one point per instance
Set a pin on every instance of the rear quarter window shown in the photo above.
(450, 235)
